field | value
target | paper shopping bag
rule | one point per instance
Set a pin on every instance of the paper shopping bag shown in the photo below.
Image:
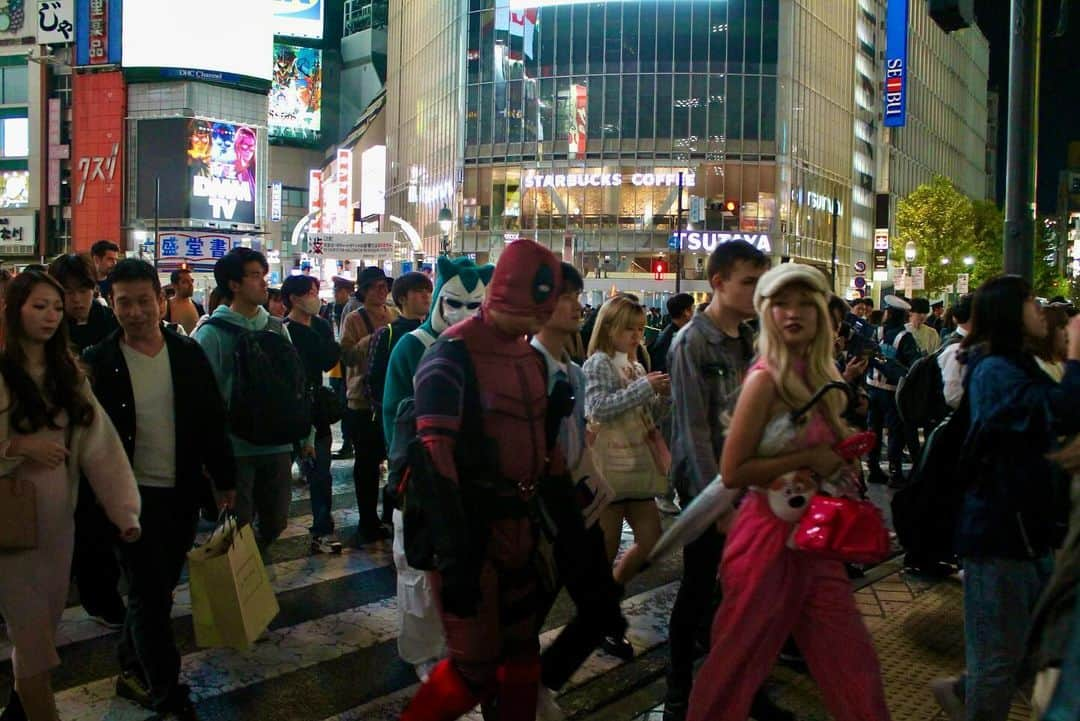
(232, 602)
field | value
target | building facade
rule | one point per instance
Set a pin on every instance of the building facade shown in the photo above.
(576, 124)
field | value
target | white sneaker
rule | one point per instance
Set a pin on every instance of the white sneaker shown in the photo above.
(946, 690)
(326, 544)
(546, 707)
(423, 669)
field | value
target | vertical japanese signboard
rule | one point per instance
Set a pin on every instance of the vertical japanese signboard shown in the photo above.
(99, 103)
(344, 190)
(315, 199)
(275, 201)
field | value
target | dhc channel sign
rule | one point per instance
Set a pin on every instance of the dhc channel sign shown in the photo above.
(896, 37)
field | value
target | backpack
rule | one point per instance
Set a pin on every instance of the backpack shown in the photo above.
(270, 403)
(920, 394)
(925, 512)
(408, 464)
(377, 364)
(893, 369)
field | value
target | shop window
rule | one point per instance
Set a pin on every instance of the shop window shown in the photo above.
(15, 137)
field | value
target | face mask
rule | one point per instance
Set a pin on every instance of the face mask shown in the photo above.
(309, 305)
(455, 311)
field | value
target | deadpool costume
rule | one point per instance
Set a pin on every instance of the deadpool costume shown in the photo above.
(481, 413)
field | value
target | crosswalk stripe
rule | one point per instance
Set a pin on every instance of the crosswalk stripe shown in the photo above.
(214, 672)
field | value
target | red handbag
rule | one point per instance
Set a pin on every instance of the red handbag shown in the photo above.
(841, 529)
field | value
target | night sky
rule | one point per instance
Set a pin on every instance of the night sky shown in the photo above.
(1059, 101)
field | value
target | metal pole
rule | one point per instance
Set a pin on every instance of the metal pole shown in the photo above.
(835, 226)
(679, 241)
(157, 205)
(1021, 139)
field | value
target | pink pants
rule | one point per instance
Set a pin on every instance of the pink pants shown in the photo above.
(769, 593)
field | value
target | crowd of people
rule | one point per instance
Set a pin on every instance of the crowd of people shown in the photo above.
(502, 434)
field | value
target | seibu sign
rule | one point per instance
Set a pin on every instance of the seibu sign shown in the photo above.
(606, 180)
(708, 240)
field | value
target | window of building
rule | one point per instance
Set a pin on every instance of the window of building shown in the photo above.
(15, 137)
(14, 84)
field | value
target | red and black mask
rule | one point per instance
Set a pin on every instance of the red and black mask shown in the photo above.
(526, 280)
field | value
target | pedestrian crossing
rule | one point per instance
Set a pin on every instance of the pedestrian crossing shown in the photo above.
(330, 653)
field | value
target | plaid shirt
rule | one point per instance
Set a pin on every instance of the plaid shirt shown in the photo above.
(607, 395)
(707, 369)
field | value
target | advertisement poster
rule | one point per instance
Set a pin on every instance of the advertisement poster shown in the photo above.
(14, 189)
(296, 93)
(578, 110)
(221, 169)
(298, 18)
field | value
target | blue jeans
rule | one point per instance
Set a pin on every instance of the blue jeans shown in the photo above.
(999, 597)
(320, 485)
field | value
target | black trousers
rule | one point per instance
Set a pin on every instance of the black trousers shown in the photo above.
(94, 563)
(152, 568)
(369, 451)
(586, 573)
(693, 610)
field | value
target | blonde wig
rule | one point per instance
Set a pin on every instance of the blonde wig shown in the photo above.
(795, 389)
(617, 314)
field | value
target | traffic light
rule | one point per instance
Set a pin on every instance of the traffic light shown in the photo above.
(658, 270)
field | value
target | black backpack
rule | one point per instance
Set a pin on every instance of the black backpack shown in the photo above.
(271, 402)
(920, 394)
(925, 512)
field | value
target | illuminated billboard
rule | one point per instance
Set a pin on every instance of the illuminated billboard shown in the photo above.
(296, 93)
(896, 40)
(206, 169)
(221, 167)
(199, 39)
(298, 18)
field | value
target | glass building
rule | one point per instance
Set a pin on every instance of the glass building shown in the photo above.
(575, 123)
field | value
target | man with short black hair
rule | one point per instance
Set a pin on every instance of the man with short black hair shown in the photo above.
(104, 254)
(680, 309)
(159, 391)
(707, 362)
(928, 339)
(263, 473)
(335, 313)
(182, 308)
(319, 352)
(96, 569)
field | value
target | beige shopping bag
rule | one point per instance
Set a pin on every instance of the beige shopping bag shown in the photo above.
(232, 602)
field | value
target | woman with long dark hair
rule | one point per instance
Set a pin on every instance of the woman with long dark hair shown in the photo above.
(1016, 507)
(51, 428)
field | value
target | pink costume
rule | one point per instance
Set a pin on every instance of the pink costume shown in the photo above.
(772, 591)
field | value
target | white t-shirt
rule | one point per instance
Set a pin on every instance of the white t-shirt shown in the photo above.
(154, 462)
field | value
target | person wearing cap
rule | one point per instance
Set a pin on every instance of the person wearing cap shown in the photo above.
(368, 444)
(937, 313)
(335, 313)
(475, 494)
(881, 382)
(926, 336)
(772, 591)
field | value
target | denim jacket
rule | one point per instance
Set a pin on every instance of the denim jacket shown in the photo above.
(1017, 502)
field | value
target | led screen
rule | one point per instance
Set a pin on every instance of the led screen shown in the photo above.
(296, 93)
(298, 18)
(206, 169)
(200, 39)
(221, 168)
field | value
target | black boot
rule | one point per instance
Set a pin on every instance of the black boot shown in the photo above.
(14, 710)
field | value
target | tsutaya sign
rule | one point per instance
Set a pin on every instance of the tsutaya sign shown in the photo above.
(605, 180)
(707, 240)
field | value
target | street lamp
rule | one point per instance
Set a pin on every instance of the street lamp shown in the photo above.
(446, 221)
(944, 261)
(909, 256)
(968, 261)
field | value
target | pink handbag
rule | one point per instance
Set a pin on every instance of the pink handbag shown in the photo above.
(841, 529)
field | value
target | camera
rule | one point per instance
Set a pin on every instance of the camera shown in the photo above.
(860, 336)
